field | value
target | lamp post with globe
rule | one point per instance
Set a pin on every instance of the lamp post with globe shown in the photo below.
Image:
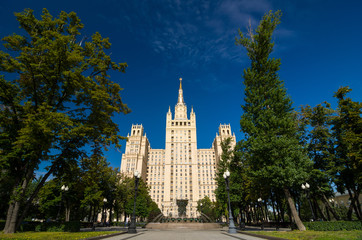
(132, 226)
(232, 228)
(104, 213)
(306, 187)
(261, 213)
(63, 190)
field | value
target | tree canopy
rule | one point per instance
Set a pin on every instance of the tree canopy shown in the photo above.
(272, 145)
(56, 97)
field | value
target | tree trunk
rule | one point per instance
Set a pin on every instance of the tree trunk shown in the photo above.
(12, 224)
(90, 213)
(349, 213)
(319, 210)
(67, 213)
(33, 195)
(110, 215)
(329, 207)
(328, 215)
(9, 214)
(353, 204)
(293, 210)
(275, 216)
(17, 196)
(266, 212)
(314, 209)
(280, 209)
(357, 203)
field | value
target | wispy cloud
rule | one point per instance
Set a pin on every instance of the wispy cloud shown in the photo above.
(188, 31)
(192, 34)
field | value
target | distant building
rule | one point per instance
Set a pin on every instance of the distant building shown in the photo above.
(180, 171)
(343, 200)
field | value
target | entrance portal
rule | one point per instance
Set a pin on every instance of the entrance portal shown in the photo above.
(182, 203)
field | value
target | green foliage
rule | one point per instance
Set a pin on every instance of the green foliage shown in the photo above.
(207, 207)
(272, 148)
(271, 152)
(348, 151)
(153, 210)
(144, 201)
(57, 97)
(72, 226)
(227, 156)
(334, 226)
(320, 146)
(49, 199)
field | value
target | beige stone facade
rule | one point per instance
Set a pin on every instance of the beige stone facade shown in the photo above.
(180, 171)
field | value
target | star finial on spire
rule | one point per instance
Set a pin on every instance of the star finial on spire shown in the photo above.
(180, 83)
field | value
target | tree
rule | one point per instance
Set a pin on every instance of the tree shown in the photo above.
(231, 160)
(153, 211)
(347, 130)
(143, 201)
(321, 151)
(273, 150)
(57, 98)
(207, 207)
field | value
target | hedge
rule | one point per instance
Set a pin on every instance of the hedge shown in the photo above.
(73, 226)
(2, 224)
(334, 226)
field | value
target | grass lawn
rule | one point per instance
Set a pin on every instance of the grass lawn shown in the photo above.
(315, 235)
(53, 235)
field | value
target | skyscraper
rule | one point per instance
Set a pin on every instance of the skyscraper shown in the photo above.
(180, 172)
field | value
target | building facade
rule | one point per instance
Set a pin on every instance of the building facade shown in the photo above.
(181, 172)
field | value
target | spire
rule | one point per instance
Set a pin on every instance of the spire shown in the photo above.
(180, 94)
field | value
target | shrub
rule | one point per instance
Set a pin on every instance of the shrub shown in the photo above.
(59, 228)
(2, 224)
(73, 226)
(334, 226)
(50, 226)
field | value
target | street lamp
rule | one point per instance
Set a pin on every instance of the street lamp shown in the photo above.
(306, 187)
(132, 226)
(261, 213)
(64, 189)
(104, 215)
(232, 228)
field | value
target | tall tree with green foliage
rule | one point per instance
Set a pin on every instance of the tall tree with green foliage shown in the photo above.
(230, 160)
(272, 143)
(56, 96)
(321, 151)
(348, 147)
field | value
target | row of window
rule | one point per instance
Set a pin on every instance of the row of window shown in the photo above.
(180, 123)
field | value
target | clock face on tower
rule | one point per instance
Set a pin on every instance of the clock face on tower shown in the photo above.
(181, 109)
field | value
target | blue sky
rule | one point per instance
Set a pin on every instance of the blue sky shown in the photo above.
(319, 43)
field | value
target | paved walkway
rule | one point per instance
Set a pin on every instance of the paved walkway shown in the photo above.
(182, 234)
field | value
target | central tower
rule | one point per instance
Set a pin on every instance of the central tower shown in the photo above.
(180, 159)
(179, 175)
